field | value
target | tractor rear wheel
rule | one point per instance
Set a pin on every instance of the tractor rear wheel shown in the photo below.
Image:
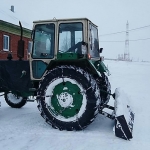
(68, 98)
(105, 86)
(15, 101)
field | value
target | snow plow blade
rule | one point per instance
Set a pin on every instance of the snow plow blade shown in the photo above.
(124, 116)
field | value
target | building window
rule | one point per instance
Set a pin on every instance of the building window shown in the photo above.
(5, 42)
(29, 46)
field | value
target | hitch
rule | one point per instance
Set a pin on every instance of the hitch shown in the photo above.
(105, 113)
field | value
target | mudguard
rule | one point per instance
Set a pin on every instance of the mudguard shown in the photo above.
(124, 116)
(15, 76)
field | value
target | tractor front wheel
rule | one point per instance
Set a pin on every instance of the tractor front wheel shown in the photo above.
(68, 98)
(15, 101)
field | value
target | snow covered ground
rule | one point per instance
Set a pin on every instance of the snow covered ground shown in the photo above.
(25, 129)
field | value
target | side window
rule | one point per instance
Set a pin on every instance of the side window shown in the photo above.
(70, 37)
(94, 44)
(44, 41)
(5, 42)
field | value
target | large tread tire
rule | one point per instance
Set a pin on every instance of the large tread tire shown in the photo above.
(15, 101)
(91, 97)
(105, 88)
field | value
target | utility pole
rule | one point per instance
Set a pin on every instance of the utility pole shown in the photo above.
(126, 53)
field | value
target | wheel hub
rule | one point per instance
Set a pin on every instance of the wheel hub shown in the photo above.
(65, 99)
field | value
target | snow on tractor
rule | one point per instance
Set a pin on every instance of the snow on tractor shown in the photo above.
(67, 75)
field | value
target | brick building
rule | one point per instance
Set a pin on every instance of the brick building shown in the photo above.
(10, 34)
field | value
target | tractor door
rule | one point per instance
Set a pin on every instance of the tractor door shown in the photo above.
(43, 48)
(94, 42)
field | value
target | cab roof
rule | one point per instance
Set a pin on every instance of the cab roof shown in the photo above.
(65, 19)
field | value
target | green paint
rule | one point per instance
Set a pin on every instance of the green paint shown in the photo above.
(23, 94)
(14, 29)
(70, 110)
(68, 56)
(100, 66)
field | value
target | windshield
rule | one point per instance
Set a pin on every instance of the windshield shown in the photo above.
(70, 37)
(44, 41)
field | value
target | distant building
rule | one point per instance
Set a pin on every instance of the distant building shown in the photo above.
(10, 34)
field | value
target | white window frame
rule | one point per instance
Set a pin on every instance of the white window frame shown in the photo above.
(5, 49)
(29, 48)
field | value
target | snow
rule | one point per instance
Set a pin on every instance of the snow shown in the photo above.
(12, 17)
(13, 98)
(49, 91)
(123, 107)
(25, 129)
(122, 104)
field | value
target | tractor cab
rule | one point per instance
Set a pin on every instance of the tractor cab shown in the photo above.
(52, 37)
(63, 39)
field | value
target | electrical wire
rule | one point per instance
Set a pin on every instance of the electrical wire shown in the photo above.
(125, 31)
(129, 40)
(140, 39)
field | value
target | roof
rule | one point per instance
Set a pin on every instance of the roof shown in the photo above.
(12, 17)
(65, 19)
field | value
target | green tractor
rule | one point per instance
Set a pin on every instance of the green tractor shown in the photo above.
(66, 74)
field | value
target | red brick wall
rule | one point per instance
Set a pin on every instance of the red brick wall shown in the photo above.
(13, 40)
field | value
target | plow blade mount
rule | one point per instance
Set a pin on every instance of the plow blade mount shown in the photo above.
(124, 116)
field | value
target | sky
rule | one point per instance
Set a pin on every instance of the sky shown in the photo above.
(110, 17)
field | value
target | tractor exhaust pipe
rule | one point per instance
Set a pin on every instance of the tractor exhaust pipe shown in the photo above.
(20, 51)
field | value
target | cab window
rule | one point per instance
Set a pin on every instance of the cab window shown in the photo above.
(44, 41)
(94, 44)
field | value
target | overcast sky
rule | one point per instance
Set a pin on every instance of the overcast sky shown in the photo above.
(111, 16)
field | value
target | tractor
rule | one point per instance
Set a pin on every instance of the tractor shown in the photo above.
(66, 75)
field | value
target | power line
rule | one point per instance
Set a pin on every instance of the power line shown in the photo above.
(125, 31)
(140, 39)
(129, 40)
